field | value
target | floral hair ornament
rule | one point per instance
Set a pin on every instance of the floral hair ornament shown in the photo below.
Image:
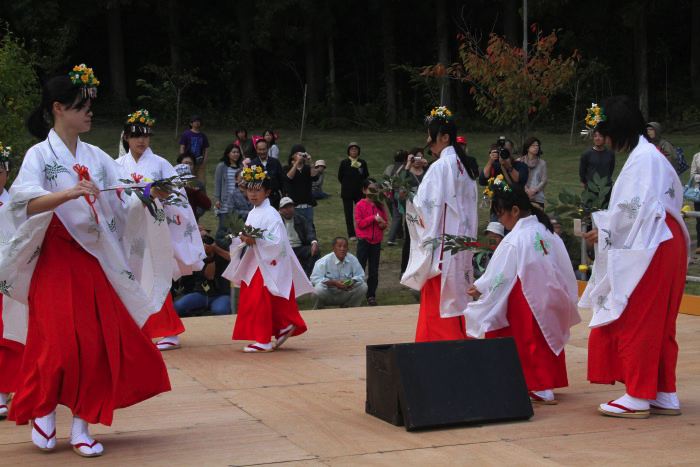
(497, 183)
(439, 113)
(84, 77)
(141, 122)
(5, 153)
(254, 176)
(594, 116)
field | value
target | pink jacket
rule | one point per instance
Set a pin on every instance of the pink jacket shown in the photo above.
(367, 226)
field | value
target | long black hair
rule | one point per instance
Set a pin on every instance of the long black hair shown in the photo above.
(504, 200)
(57, 89)
(225, 159)
(438, 126)
(624, 122)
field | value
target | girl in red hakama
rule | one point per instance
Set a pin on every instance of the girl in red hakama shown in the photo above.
(527, 292)
(10, 361)
(638, 277)
(445, 203)
(268, 273)
(84, 348)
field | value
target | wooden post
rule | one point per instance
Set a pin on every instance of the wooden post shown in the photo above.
(303, 116)
(573, 115)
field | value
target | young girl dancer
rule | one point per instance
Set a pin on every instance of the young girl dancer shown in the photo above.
(639, 273)
(92, 266)
(267, 271)
(142, 164)
(445, 203)
(528, 291)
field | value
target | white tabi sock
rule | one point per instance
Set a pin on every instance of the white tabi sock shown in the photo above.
(666, 400)
(633, 403)
(546, 394)
(3, 398)
(80, 433)
(47, 424)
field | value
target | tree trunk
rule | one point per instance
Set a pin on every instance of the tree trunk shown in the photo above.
(641, 69)
(174, 33)
(244, 14)
(389, 53)
(443, 37)
(313, 59)
(332, 90)
(510, 21)
(695, 49)
(117, 72)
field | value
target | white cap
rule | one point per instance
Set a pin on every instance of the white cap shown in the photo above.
(285, 201)
(320, 162)
(496, 227)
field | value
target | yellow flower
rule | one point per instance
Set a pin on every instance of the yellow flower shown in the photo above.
(142, 119)
(84, 78)
(499, 177)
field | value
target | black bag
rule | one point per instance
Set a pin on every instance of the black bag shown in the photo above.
(680, 161)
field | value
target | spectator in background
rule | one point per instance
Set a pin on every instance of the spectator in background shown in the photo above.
(371, 220)
(416, 164)
(494, 234)
(302, 235)
(273, 169)
(537, 170)
(196, 190)
(395, 170)
(225, 185)
(206, 289)
(653, 133)
(351, 173)
(298, 176)
(597, 160)
(245, 143)
(195, 143)
(501, 161)
(695, 180)
(317, 185)
(338, 278)
(271, 138)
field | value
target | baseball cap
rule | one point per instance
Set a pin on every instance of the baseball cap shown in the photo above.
(461, 140)
(496, 227)
(319, 163)
(183, 169)
(285, 201)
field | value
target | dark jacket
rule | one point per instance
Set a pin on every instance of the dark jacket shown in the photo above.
(299, 188)
(305, 230)
(521, 167)
(351, 179)
(274, 171)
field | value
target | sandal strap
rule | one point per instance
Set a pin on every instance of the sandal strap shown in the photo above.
(41, 432)
(3, 406)
(166, 343)
(257, 347)
(86, 445)
(622, 407)
(288, 331)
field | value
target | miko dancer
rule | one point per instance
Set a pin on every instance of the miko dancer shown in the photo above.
(78, 258)
(10, 351)
(266, 269)
(638, 278)
(143, 165)
(445, 203)
(528, 291)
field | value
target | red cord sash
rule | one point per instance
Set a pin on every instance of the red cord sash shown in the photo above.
(84, 174)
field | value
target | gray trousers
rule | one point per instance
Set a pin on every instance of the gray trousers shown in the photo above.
(325, 296)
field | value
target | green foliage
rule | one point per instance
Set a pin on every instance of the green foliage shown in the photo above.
(18, 96)
(569, 206)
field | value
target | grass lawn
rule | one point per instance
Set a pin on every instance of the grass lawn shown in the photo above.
(378, 149)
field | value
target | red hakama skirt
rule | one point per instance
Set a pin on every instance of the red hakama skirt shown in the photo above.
(10, 360)
(165, 323)
(262, 315)
(431, 326)
(541, 367)
(83, 348)
(639, 349)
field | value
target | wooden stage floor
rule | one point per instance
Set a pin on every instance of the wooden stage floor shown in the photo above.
(304, 405)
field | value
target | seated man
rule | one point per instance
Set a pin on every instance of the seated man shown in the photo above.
(494, 234)
(338, 278)
(206, 289)
(302, 235)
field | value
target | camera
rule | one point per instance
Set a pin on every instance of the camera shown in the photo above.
(503, 153)
(305, 155)
(207, 239)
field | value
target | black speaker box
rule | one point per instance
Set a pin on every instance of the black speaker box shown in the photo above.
(434, 384)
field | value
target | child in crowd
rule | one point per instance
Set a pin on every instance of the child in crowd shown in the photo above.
(371, 220)
(266, 269)
(528, 291)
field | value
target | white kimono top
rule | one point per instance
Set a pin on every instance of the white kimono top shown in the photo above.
(184, 233)
(539, 259)
(273, 254)
(446, 202)
(120, 233)
(631, 229)
(4, 197)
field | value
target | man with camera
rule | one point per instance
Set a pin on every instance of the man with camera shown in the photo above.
(206, 289)
(273, 169)
(299, 176)
(500, 162)
(302, 235)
